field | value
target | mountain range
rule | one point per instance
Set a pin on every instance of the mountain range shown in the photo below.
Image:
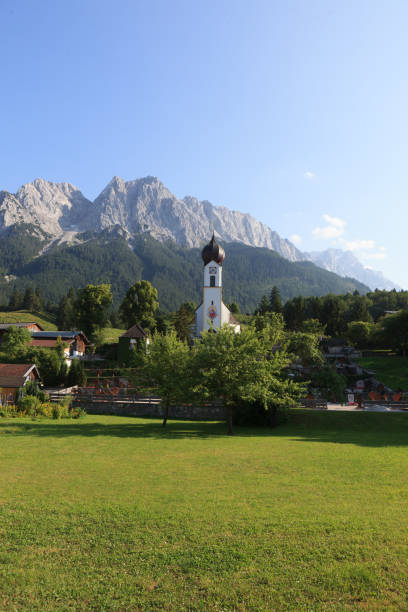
(139, 206)
(45, 222)
(345, 263)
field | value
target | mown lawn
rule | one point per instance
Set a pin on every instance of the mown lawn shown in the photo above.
(391, 371)
(112, 513)
(110, 335)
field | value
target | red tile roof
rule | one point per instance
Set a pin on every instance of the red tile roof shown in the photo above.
(14, 369)
(15, 374)
(45, 343)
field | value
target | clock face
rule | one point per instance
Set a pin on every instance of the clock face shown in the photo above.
(212, 313)
(213, 270)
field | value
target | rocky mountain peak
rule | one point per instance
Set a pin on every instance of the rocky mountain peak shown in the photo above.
(55, 207)
(345, 263)
(137, 206)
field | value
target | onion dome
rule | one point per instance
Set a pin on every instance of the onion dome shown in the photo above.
(213, 252)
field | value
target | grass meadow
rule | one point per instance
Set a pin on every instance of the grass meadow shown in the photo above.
(113, 513)
(392, 371)
(47, 321)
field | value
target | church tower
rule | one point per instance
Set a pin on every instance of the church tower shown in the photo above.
(213, 314)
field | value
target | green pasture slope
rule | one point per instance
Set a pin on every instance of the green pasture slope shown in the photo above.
(113, 513)
(46, 320)
(392, 371)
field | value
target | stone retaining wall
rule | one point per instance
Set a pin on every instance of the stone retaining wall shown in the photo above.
(199, 413)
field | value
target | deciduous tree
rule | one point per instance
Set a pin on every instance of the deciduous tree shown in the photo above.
(166, 366)
(139, 305)
(15, 340)
(246, 366)
(92, 307)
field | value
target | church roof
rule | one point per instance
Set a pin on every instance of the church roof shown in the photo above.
(213, 252)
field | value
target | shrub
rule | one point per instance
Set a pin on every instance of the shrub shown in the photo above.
(33, 388)
(329, 383)
(77, 413)
(60, 411)
(29, 405)
(9, 410)
(76, 374)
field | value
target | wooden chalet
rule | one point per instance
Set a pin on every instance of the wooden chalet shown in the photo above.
(32, 326)
(133, 339)
(13, 377)
(75, 341)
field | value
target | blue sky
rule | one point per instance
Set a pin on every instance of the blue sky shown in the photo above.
(293, 111)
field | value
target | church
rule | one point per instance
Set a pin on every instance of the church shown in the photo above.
(213, 313)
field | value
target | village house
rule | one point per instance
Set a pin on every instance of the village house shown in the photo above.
(13, 377)
(75, 341)
(32, 326)
(133, 339)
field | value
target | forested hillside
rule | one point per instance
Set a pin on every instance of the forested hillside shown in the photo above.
(176, 271)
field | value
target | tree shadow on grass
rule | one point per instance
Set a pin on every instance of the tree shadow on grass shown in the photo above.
(138, 429)
(362, 429)
(359, 428)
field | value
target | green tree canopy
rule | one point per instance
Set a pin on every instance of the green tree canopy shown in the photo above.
(166, 367)
(360, 333)
(395, 331)
(295, 312)
(263, 306)
(184, 320)
(275, 301)
(15, 340)
(245, 366)
(329, 383)
(333, 309)
(66, 311)
(234, 308)
(359, 309)
(139, 305)
(313, 326)
(305, 347)
(92, 307)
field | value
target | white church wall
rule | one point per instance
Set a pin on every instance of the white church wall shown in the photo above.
(212, 269)
(212, 311)
(225, 314)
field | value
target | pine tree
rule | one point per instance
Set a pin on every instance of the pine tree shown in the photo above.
(263, 307)
(234, 308)
(184, 320)
(16, 300)
(29, 301)
(39, 306)
(275, 301)
(66, 311)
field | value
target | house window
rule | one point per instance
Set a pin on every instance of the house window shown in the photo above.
(212, 281)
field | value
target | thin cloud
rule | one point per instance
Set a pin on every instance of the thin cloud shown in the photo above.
(334, 229)
(358, 245)
(295, 238)
(378, 256)
(309, 175)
